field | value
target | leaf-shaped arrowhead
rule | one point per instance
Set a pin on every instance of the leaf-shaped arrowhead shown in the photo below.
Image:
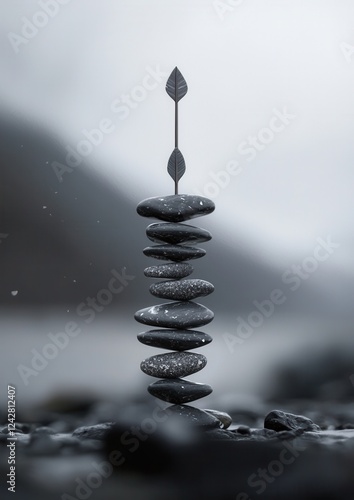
(176, 85)
(176, 165)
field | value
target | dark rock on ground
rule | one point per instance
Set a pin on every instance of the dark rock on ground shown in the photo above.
(94, 431)
(43, 430)
(281, 421)
(243, 429)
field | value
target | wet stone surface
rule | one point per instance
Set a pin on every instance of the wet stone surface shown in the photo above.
(224, 418)
(176, 233)
(179, 391)
(182, 290)
(174, 270)
(281, 421)
(194, 416)
(175, 340)
(94, 431)
(175, 315)
(176, 208)
(173, 364)
(174, 252)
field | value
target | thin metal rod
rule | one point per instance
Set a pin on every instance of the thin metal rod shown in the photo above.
(176, 124)
(176, 135)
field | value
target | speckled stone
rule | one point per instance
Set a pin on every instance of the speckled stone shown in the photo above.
(175, 208)
(193, 416)
(175, 340)
(181, 290)
(174, 252)
(176, 270)
(173, 364)
(179, 391)
(175, 315)
(175, 233)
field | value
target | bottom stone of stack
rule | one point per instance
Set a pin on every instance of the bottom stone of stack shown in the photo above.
(193, 416)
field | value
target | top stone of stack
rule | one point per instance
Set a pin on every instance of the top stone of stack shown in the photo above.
(176, 208)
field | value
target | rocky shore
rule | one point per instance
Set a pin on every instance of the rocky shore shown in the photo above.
(107, 450)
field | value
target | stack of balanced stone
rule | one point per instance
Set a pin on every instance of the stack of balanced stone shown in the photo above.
(175, 320)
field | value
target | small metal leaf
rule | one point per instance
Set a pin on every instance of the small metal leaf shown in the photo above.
(176, 165)
(176, 85)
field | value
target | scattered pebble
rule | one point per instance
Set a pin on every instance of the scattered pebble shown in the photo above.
(281, 421)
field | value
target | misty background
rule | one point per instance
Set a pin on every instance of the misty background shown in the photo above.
(280, 185)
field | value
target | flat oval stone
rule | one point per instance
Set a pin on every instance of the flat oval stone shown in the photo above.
(176, 207)
(175, 233)
(174, 252)
(224, 418)
(175, 340)
(173, 364)
(193, 416)
(175, 315)
(176, 270)
(179, 391)
(181, 290)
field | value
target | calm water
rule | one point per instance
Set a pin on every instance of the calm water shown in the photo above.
(103, 359)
